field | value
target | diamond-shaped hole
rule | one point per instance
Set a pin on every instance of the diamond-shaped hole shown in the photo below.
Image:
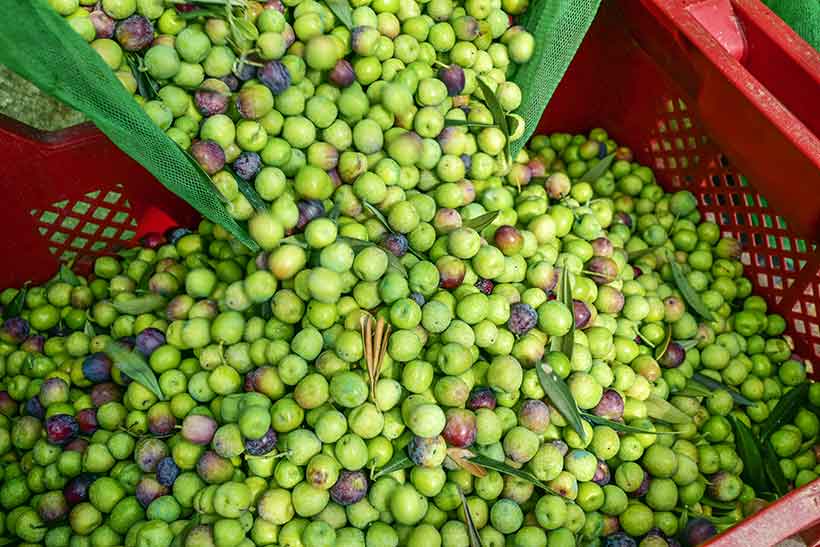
(48, 217)
(67, 255)
(112, 197)
(127, 235)
(109, 232)
(98, 246)
(79, 242)
(81, 207)
(119, 217)
(90, 228)
(101, 213)
(70, 223)
(58, 237)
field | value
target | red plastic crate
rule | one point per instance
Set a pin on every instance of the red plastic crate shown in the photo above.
(707, 92)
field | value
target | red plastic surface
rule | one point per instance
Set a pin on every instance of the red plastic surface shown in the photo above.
(707, 92)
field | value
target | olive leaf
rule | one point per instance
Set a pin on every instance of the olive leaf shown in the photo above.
(687, 344)
(475, 539)
(689, 294)
(67, 276)
(379, 216)
(451, 122)
(359, 244)
(661, 409)
(296, 239)
(197, 13)
(266, 310)
(634, 255)
(140, 304)
(461, 457)
(714, 385)
(341, 9)
(721, 505)
(147, 88)
(684, 518)
(481, 221)
(566, 343)
(771, 465)
(15, 307)
(560, 396)
(499, 116)
(661, 348)
(597, 171)
(88, 329)
(132, 364)
(749, 453)
(505, 469)
(785, 410)
(399, 461)
(249, 191)
(622, 428)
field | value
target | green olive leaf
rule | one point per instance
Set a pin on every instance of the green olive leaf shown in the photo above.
(749, 453)
(501, 467)
(721, 505)
(560, 396)
(663, 410)
(785, 410)
(15, 307)
(132, 364)
(450, 122)
(399, 461)
(249, 191)
(359, 244)
(634, 255)
(566, 343)
(714, 385)
(475, 539)
(245, 30)
(296, 239)
(499, 116)
(147, 88)
(88, 329)
(379, 216)
(481, 221)
(622, 428)
(341, 9)
(598, 169)
(771, 465)
(140, 304)
(197, 13)
(687, 344)
(689, 294)
(661, 348)
(67, 276)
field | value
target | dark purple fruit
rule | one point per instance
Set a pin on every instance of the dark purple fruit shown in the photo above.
(76, 491)
(103, 24)
(61, 429)
(349, 488)
(604, 269)
(508, 239)
(275, 76)
(167, 471)
(611, 405)
(148, 489)
(35, 408)
(453, 78)
(481, 397)
(105, 393)
(619, 539)
(97, 368)
(174, 234)
(152, 240)
(460, 428)
(342, 74)
(161, 421)
(8, 406)
(263, 445)
(135, 33)
(602, 246)
(395, 244)
(77, 445)
(698, 531)
(602, 474)
(427, 451)
(209, 155)
(231, 81)
(673, 356)
(87, 421)
(213, 468)
(247, 165)
(485, 286)
(243, 73)
(418, 298)
(534, 415)
(52, 506)
(14, 330)
(522, 318)
(308, 210)
(210, 102)
(582, 314)
(149, 340)
(643, 488)
(34, 344)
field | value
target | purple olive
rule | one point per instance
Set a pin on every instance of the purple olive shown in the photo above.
(244, 72)
(105, 393)
(148, 489)
(34, 344)
(602, 246)
(623, 218)
(52, 506)
(485, 286)
(87, 421)
(534, 415)
(604, 269)
(198, 429)
(427, 451)
(350, 488)
(76, 491)
(460, 428)
(148, 340)
(167, 471)
(309, 209)
(15, 330)
(582, 313)
(231, 81)
(673, 356)
(209, 155)
(643, 488)
(149, 452)
(342, 74)
(247, 165)
(602, 474)
(77, 445)
(481, 397)
(35, 408)
(619, 539)
(453, 78)
(263, 445)
(103, 24)
(275, 76)
(61, 429)
(135, 33)
(8, 406)
(395, 244)
(611, 405)
(698, 531)
(508, 239)
(97, 367)
(161, 421)
(210, 102)
(522, 318)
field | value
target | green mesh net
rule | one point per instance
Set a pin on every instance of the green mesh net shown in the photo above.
(38, 44)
